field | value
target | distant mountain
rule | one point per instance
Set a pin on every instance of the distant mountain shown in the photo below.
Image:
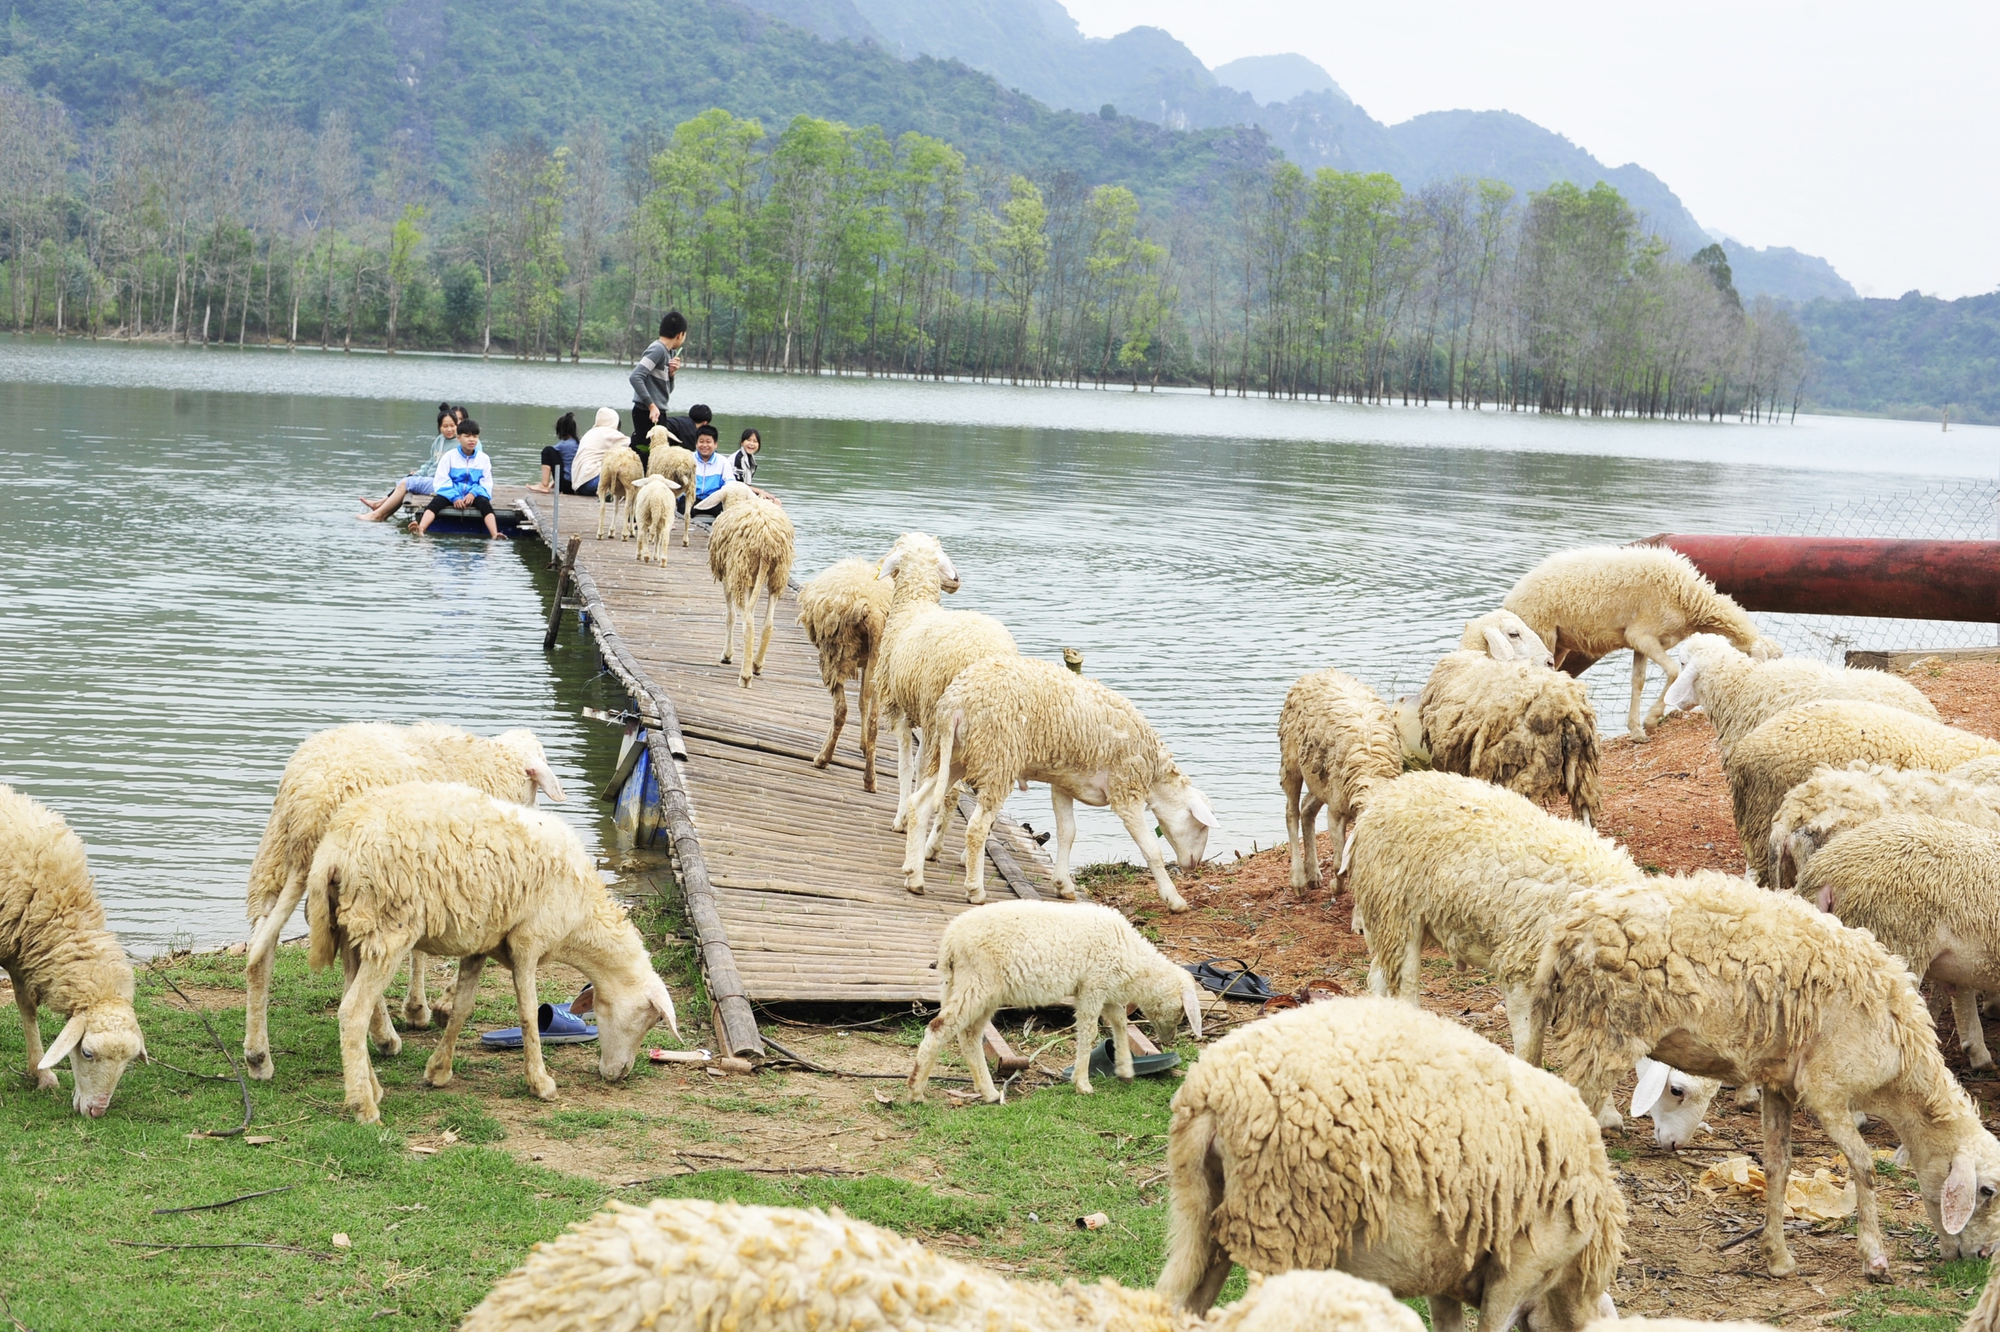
(1785, 273)
(1275, 78)
(1915, 356)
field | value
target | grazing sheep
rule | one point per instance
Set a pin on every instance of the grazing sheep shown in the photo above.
(844, 609)
(1586, 604)
(446, 868)
(1038, 955)
(615, 485)
(676, 464)
(1369, 1136)
(653, 516)
(1505, 636)
(1336, 740)
(1515, 724)
(1786, 750)
(749, 551)
(329, 768)
(1725, 980)
(56, 951)
(684, 1264)
(1014, 719)
(1836, 800)
(1740, 693)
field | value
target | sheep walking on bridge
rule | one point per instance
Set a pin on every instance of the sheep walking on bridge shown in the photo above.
(750, 553)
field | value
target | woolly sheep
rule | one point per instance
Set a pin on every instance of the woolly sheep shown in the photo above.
(1516, 724)
(1979, 772)
(844, 609)
(1712, 975)
(676, 464)
(1588, 603)
(1786, 750)
(1505, 636)
(1038, 955)
(1985, 1315)
(685, 1263)
(1336, 741)
(56, 951)
(1369, 1136)
(653, 516)
(446, 868)
(749, 551)
(1020, 719)
(1836, 800)
(1740, 693)
(615, 484)
(329, 768)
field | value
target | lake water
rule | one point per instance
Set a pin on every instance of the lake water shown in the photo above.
(187, 597)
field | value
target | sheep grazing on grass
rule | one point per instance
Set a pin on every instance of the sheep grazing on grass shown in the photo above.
(1834, 801)
(1336, 741)
(1515, 724)
(1369, 1136)
(749, 552)
(844, 609)
(676, 464)
(1586, 604)
(1020, 719)
(1722, 979)
(653, 516)
(685, 1264)
(1740, 693)
(616, 483)
(1505, 636)
(330, 768)
(56, 951)
(446, 868)
(1786, 750)
(1038, 955)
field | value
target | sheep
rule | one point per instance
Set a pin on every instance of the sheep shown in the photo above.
(1979, 772)
(1740, 693)
(687, 1263)
(1786, 750)
(615, 484)
(676, 464)
(1505, 636)
(844, 609)
(1985, 1315)
(1588, 603)
(1372, 1137)
(653, 516)
(1835, 800)
(1516, 724)
(1720, 978)
(923, 647)
(1336, 741)
(749, 551)
(1037, 955)
(448, 869)
(329, 768)
(56, 951)
(1020, 719)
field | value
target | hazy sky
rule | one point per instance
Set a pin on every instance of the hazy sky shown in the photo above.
(1865, 133)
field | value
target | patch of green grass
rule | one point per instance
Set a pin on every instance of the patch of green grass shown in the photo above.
(1619, 1153)
(466, 1117)
(569, 1125)
(1905, 1308)
(1110, 872)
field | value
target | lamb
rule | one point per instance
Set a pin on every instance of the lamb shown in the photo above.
(749, 551)
(1336, 741)
(1588, 603)
(676, 464)
(653, 516)
(1740, 693)
(1836, 800)
(1011, 719)
(446, 868)
(1786, 750)
(685, 1263)
(844, 609)
(615, 484)
(1372, 1137)
(1516, 724)
(56, 951)
(1720, 978)
(1505, 636)
(329, 768)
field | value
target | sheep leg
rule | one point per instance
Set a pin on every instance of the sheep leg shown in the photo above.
(1290, 784)
(864, 695)
(437, 1070)
(1065, 812)
(1336, 835)
(976, 829)
(1838, 1123)
(600, 510)
(1138, 821)
(947, 1028)
(257, 971)
(728, 627)
(973, 1052)
(1520, 1000)
(770, 621)
(913, 845)
(528, 1000)
(1633, 725)
(1647, 648)
(1088, 1009)
(1447, 1314)
(1971, 1031)
(24, 999)
(367, 981)
(1410, 976)
(1777, 1107)
(1308, 857)
(906, 771)
(380, 1029)
(749, 638)
(1121, 1041)
(416, 999)
(839, 691)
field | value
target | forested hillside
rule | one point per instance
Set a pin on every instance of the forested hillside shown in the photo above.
(1916, 356)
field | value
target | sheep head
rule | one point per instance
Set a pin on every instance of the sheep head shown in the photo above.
(1674, 1099)
(100, 1041)
(535, 762)
(920, 550)
(631, 1000)
(1172, 999)
(1184, 815)
(1505, 636)
(1959, 1189)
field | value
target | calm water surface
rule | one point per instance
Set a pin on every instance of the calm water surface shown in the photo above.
(169, 634)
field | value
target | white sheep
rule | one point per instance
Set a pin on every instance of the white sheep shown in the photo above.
(1722, 979)
(1012, 719)
(616, 482)
(1740, 693)
(749, 552)
(1515, 724)
(446, 868)
(1586, 604)
(1834, 801)
(1505, 636)
(1038, 955)
(1786, 750)
(1372, 1137)
(329, 768)
(844, 609)
(1336, 741)
(676, 464)
(682, 1263)
(56, 951)
(653, 515)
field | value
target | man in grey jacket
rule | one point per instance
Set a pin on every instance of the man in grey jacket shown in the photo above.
(653, 378)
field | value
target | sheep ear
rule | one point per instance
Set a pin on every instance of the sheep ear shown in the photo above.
(1197, 804)
(1191, 1005)
(890, 565)
(1651, 1087)
(1958, 1198)
(544, 778)
(946, 568)
(1680, 694)
(72, 1032)
(1497, 646)
(663, 1006)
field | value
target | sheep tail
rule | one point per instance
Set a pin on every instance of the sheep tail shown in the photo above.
(320, 881)
(1196, 1264)
(1543, 994)
(1580, 782)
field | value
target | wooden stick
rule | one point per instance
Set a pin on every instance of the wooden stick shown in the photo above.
(1003, 860)
(241, 1080)
(226, 1202)
(556, 601)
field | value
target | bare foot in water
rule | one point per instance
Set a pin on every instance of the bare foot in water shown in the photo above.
(539, 490)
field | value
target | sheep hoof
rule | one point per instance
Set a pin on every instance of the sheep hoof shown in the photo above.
(1608, 1118)
(1878, 1267)
(914, 882)
(436, 1075)
(416, 1016)
(1067, 891)
(1639, 736)
(440, 1014)
(1780, 1264)
(977, 897)
(1982, 1063)
(45, 1080)
(545, 1089)
(390, 1046)
(994, 1099)
(1177, 904)
(368, 1115)
(258, 1065)
(1082, 1089)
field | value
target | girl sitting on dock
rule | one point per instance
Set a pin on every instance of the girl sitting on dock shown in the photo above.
(464, 479)
(419, 482)
(557, 457)
(743, 463)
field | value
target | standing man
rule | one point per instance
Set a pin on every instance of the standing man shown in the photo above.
(653, 379)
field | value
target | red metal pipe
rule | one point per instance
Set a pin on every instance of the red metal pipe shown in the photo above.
(1907, 580)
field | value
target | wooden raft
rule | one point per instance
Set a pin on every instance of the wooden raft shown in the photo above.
(809, 902)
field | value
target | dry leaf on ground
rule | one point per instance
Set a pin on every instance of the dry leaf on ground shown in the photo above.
(1822, 1196)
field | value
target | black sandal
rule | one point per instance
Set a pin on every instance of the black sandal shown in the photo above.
(1239, 983)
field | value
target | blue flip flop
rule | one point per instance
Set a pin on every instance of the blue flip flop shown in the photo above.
(557, 1025)
(1104, 1062)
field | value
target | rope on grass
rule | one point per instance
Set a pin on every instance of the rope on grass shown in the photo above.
(226, 1202)
(241, 1079)
(810, 1067)
(158, 1247)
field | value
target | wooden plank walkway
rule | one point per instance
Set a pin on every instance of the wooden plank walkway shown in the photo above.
(807, 874)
